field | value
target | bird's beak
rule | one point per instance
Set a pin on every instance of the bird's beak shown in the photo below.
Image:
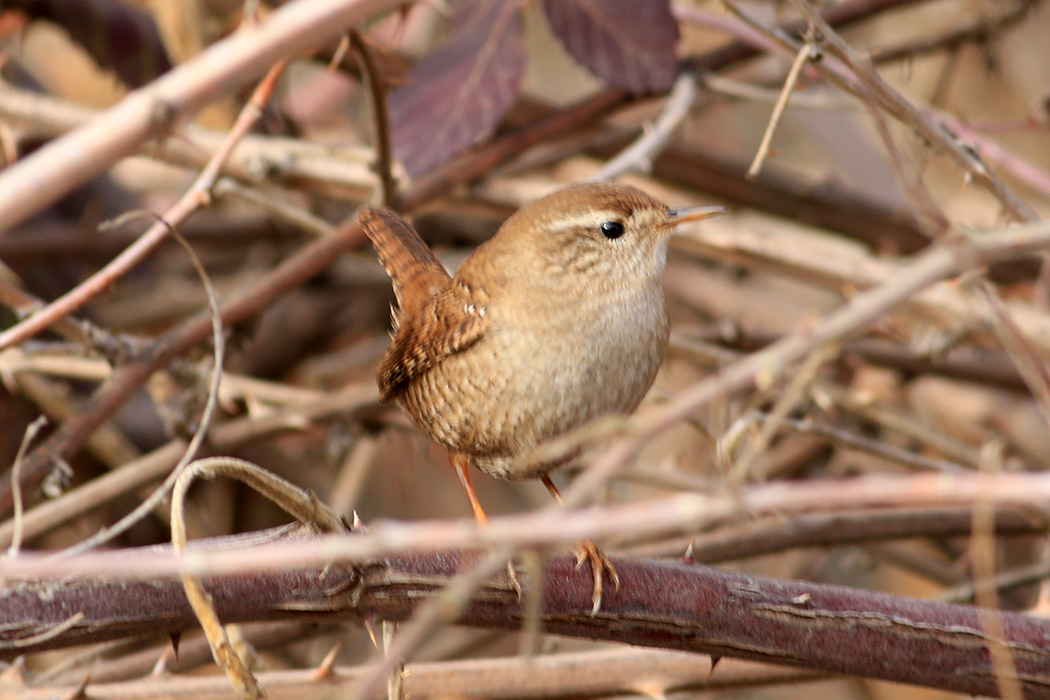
(680, 216)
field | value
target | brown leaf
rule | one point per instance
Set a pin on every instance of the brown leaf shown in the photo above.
(119, 36)
(456, 96)
(626, 43)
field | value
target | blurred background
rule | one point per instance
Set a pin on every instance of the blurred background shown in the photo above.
(916, 393)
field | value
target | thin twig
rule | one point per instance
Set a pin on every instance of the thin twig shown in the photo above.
(444, 607)
(640, 154)
(384, 163)
(24, 304)
(982, 556)
(900, 107)
(1030, 365)
(108, 533)
(819, 99)
(1004, 581)
(803, 256)
(604, 673)
(793, 393)
(227, 658)
(395, 684)
(978, 32)
(906, 424)
(934, 126)
(108, 443)
(773, 534)
(160, 462)
(837, 75)
(31, 431)
(303, 506)
(927, 211)
(806, 53)
(277, 206)
(685, 512)
(195, 197)
(879, 448)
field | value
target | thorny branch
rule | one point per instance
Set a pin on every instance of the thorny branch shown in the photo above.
(679, 606)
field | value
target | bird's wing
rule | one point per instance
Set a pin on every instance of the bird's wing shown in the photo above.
(438, 317)
(452, 322)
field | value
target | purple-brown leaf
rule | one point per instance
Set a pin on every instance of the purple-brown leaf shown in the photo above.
(626, 43)
(456, 96)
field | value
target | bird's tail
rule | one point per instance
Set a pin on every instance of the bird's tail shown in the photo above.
(416, 272)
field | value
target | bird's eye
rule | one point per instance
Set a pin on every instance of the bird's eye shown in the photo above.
(612, 229)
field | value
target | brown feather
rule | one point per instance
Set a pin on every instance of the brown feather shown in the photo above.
(437, 318)
(416, 272)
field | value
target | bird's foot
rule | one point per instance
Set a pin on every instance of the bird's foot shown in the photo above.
(515, 582)
(600, 564)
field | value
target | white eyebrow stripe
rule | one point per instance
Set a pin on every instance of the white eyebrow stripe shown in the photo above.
(587, 218)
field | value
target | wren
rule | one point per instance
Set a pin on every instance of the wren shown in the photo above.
(557, 319)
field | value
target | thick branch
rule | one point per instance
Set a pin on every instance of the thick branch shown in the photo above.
(660, 604)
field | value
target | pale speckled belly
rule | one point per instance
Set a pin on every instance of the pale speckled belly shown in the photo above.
(517, 388)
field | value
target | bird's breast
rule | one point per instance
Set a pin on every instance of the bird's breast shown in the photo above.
(540, 371)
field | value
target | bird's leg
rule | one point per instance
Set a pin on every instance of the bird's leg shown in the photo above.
(589, 551)
(461, 463)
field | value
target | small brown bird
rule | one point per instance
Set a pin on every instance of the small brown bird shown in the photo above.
(558, 319)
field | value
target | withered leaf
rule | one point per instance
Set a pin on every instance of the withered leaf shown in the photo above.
(119, 36)
(626, 43)
(456, 96)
